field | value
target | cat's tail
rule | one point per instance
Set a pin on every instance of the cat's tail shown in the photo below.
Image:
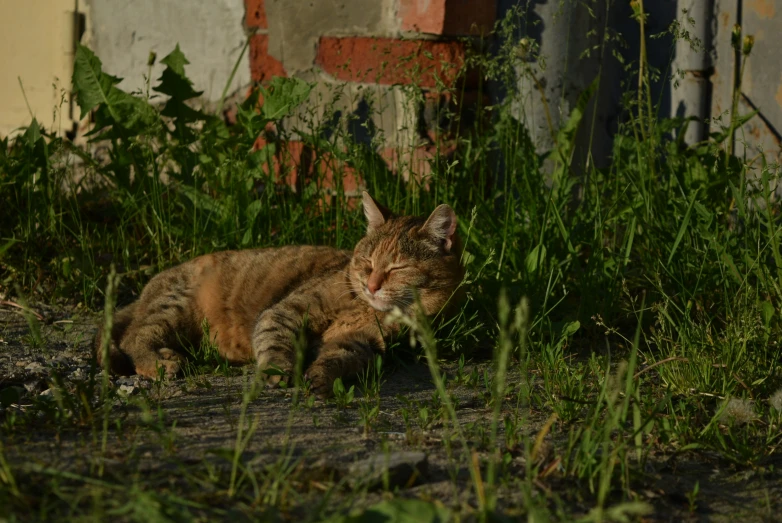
(119, 362)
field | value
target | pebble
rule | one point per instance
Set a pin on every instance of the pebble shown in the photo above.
(127, 390)
(33, 386)
(34, 367)
(127, 380)
(79, 374)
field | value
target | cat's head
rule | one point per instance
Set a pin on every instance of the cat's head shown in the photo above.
(401, 254)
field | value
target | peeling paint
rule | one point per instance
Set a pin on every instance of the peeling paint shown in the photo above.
(763, 8)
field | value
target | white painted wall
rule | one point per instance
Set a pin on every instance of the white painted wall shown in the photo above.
(210, 34)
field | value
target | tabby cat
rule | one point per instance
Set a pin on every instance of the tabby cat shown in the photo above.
(255, 301)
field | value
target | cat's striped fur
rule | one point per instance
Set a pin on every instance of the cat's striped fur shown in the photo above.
(255, 301)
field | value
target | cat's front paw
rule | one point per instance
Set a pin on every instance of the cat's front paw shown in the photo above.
(168, 360)
(276, 372)
(321, 380)
(275, 377)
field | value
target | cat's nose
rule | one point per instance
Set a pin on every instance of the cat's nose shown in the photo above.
(374, 283)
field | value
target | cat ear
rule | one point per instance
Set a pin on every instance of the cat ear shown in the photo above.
(441, 225)
(376, 214)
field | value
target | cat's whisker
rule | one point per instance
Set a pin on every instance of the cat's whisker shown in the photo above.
(347, 293)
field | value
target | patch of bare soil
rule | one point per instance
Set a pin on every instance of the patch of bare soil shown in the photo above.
(191, 437)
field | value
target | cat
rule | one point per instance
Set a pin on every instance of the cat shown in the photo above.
(255, 300)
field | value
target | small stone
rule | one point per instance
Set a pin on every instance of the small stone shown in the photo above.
(403, 468)
(33, 386)
(48, 393)
(127, 390)
(78, 375)
(127, 380)
(34, 367)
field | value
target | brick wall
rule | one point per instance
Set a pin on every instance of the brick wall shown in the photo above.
(367, 57)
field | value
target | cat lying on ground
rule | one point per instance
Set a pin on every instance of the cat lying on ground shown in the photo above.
(255, 301)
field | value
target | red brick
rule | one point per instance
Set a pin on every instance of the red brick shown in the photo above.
(390, 61)
(263, 66)
(296, 163)
(417, 162)
(448, 17)
(255, 14)
(286, 159)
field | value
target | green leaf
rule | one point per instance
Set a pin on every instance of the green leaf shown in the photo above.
(536, 258)
(90, 84)
(569, 329)
(682, 228)
(96, 89)
(274, 371)
(32, 134)
(176, 61)
(567, 133)
(282, 96)
(725, 132)
(181, 112)
(174, 82)
(203, 201)
(262, 157)
(766, 312)
(251, 212)
(7, 245)
(337, 387)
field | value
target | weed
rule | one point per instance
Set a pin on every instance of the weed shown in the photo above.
(637, 319)
(205, 359)
(342, 397)
(692, 498)
(371, 379)
(368, 414)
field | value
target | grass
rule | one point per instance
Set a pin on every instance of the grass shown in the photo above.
(602, 336)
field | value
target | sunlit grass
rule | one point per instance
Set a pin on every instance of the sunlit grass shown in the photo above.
(631, 318)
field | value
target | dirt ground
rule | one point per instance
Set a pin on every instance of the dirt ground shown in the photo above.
(181, 435)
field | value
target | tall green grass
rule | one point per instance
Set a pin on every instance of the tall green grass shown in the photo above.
(652, 298)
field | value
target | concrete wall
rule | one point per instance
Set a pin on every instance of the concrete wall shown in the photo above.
(367, 46)
(368, 53)
(761, 86)
(364, 56)
(210, 34)
(694, 81)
